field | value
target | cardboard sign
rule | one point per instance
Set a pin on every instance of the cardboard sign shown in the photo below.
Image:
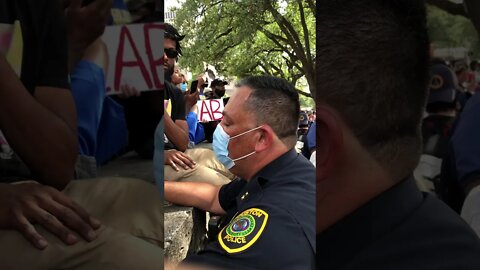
(167, 106)
(135, 54)
(210, 110)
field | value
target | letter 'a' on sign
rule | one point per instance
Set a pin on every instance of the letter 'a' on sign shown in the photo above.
(210, 110)
(243, 231)
(135, 56)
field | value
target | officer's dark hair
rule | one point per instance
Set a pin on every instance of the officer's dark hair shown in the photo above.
(274, 102)
(372, 68)
(172, 33)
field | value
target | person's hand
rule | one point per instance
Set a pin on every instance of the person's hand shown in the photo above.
(176, 158)
(86, 24)
(201, 82)
(191, 99)
(127, 91)
(25, 204)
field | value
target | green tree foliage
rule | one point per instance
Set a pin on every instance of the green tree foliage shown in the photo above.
(248, 37)
(449, 31)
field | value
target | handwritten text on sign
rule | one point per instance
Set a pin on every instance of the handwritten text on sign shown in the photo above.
(135, 54)
(210, 110)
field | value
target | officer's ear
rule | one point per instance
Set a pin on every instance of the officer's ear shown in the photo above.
(329, 145)
(265, 138)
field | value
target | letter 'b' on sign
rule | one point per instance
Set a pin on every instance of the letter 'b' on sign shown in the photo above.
(210, 110)
(135, 56)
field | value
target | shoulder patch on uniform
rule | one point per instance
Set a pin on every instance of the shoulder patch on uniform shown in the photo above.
(243, 231)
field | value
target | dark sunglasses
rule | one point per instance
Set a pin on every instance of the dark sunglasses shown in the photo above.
(171, 53)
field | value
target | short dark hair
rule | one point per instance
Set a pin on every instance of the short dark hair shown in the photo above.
(172, 33)
(373, 69)
(274, 102)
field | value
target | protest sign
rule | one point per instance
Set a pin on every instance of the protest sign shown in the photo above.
(135, 56)
(210, 110)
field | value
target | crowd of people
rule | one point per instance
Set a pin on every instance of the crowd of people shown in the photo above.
(237, 166)
(442, 169)
(389, 143)
(56, 126)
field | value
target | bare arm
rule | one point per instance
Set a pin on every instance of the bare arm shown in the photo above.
(177, 132)
(200, 195)
(41, 128)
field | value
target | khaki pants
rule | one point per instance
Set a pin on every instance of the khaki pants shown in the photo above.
(131, 211)
(208, 169)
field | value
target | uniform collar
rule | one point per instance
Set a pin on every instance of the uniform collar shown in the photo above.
(254, 188)
(339, 244)
(275, 166)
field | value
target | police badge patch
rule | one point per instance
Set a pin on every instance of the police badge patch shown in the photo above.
(243, 231)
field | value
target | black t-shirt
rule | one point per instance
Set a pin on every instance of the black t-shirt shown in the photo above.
(44, 58)
(436, 134)
(400, 229)
(270, 220)
(177, 103)
(34, 42)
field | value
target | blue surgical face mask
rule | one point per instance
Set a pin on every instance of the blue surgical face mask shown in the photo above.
(183, 87)
(220, 146)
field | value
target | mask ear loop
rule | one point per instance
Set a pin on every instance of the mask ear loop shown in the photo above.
(238, 135)
(245, 132)
(245, 156)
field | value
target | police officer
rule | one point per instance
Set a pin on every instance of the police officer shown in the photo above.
(269, 211)
(370, 213)
(436, 127)
(464, 158)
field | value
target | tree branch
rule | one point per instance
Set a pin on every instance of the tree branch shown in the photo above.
(274, 38)
(305, 31)
(311, 6)
(229, 30)
(303, 93)
(294, 64)
(450, 7)
(294, 41)
(289, 31)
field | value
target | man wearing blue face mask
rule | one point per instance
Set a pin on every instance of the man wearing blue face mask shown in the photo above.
(183, 87)
(271, 205)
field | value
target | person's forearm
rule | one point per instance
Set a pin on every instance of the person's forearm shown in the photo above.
(176, 134)
(200, 195)
(44, 141)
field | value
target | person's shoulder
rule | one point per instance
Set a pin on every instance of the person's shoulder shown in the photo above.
(254, 236)
(295, 161)
(433, 235)
(300, 170)
(171, 88)
(435, 217)
(291, 179)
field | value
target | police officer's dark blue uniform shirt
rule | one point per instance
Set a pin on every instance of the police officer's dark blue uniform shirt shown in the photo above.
(402, 229)
(270, 220)
(461, 166)
(465, 149)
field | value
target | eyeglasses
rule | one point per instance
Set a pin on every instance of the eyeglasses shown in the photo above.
(171, 53)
